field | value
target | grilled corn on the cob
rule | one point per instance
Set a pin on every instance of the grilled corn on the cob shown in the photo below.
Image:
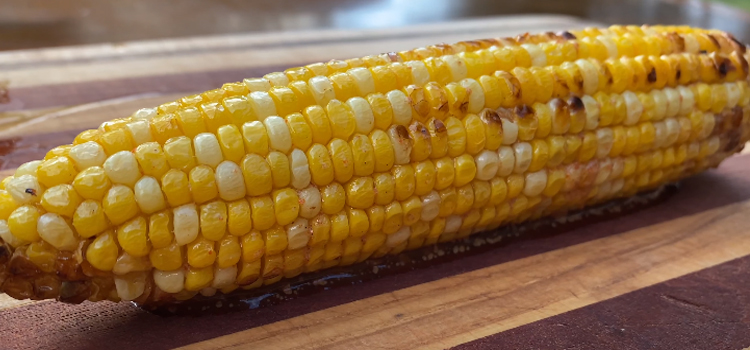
(332, 163)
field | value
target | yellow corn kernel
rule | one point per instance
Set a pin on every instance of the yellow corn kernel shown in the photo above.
(286, 206)
(239, 219)
(176, 187)
(253, 246)
(394, 218)
(22, 222)
(179, 153)
(55, 171)
(115, 141)
(359, 223)
(152, 159)
(89, 219)
(231, 142)
(342, 160)
(103, 251)
(119, 204)
(275, 240)
(198, 278)
(321, 165)
(203, 184)
(61, 199)
(333, 198)
(262, 212)
(383, 151)
(190, 121)
(359, 192)
(362, 155)
(404, 181)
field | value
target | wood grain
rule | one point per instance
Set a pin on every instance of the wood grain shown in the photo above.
(465, 307)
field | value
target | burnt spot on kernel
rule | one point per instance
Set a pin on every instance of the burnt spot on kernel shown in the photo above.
(677, 74)
(651, 77)
(723, 65)
(567, 35)
(523, 111)
(738, 44)
(394, 57)
(439, 126)
(489, 116)
(575, 104)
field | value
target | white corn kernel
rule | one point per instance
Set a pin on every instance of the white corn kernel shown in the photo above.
(363, 116)
(487, 163)
(87, 154)
(186, 225)
(398, 237)
(733, 94)
(618, 165)
(363, 79)
(660, 104)
(476, 95)
(605, 137)
(523, 154)
(140, 131)
(207, 149)
(131, 286)
(617, 185)
(224, 277)
(660, 134)
(510, 131)
(456, 66)
(419, 73)
(310, 202)
(673, 102)
(127, 263)
(538, 57)
(24, 189)
(229, 181)
(55, 230)
(402, 143)
(300, 169)
(590, 76)
(278, 134)
(401, 107)
(609, 44)
(29, 168)
(452, 224)
(322, 90)
(605, 171)
(535, 183)
(122, 168)
(298, 233)
(672, 129)
(430, 206)
(592, 112)
(8, 237)
(687, 100)
(257, 84)
(148, 195)
(276, 79)
(170, 281)
(262, 103)
(507, 160)
(145, 113)
(633, 106)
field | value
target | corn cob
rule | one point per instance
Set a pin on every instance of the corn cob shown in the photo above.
(333, 163)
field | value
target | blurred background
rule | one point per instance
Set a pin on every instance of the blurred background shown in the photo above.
(42, 23)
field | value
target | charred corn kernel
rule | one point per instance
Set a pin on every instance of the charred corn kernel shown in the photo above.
(119, 204)
(420, 142)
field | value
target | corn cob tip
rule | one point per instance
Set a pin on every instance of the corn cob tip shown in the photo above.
(333, 163)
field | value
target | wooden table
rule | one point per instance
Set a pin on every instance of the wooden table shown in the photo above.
(674, 276)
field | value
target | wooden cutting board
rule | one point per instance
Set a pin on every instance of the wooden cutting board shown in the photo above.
(674, 276)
